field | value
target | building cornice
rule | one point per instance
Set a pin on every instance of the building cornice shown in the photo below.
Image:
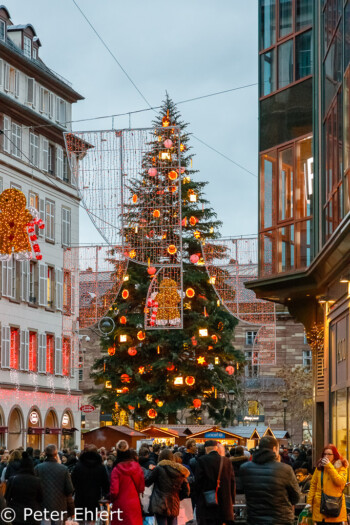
(39, 390)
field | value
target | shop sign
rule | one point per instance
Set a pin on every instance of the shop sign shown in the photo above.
(87, 408)
(216, 435)
(67, 431)
(65, 420)
(35, 431)
(52, 430)
(34, 418)
(3, 430)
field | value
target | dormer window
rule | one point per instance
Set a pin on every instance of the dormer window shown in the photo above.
(2, 30)
(27, 47)
(35, 53)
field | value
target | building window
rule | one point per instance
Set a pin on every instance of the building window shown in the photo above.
(34, 149)
(31, 91)
(61, 111)
(16, 137)
(66, 227)
(286, 182)
(50, 282)
(2, 30)
(35, 53)
(33, 350)
(307, 359)
(51, 159)
(14, 348)
(44, 101)
(59, 162)
(11, 80)
(251, 368)
(66, 169)
(67, 293)
(294, 56)
(66, 356)
(6, 140)
(249, 337)
(45, 158)
(27, 47)
(253, 408)
(50, 220)
(50, 353)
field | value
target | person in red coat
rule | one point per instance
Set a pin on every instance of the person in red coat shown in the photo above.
(127, 482)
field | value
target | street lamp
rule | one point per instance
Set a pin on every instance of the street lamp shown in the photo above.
(285, 404)
(231, 398)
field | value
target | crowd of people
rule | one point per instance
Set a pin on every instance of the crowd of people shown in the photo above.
(172, 486)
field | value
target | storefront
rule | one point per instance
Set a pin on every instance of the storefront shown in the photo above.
(35, 430)
(161, 435)
(109, 436)
(224, 436)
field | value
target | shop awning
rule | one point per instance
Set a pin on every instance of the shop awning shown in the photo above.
(53, 430)
(3, 430)
(35, 431)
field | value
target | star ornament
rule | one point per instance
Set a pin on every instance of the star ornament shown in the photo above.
(211, 366)
(201, 360)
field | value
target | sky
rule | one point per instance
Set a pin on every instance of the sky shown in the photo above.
(189, 48)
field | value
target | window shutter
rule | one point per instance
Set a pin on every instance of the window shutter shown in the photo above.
(42, 284)
(5, 347)
(7, 273)
(42, 354)
(1, 71)
(45, 160)
(24, 280)
(57, 109)
(59, 162)
(17, 83)
(41, 99)
(7, 135)
(59, 289)
(30, 90)
(24, 350)
(6, 77)
(42, 216)
(58, 356)
(51, 105)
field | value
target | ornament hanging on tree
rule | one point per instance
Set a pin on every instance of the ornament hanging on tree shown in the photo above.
(230, 370)
(152, 413)
(197, 403)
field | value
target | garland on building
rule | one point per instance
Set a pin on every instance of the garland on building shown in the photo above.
(154, 374)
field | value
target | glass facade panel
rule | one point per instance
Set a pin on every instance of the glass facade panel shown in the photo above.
(304, 187)
(303, 14)
(341, 432)
(267, 73)
(267, 23)
(268, 253)
(303, 55)
(303, 243)
(285, 17)
(285, 64)
(286, 184)
(268, 177)
(346, 120)
(333, 69)
(347, 35)
(286, 248)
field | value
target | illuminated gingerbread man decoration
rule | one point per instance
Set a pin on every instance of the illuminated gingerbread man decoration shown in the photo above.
(168, 299)
(17, 227)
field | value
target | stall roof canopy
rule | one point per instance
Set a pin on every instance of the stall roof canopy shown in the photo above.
(153, 431)
(123, 429)
(256, 432)
(188, 430)
(214, 432)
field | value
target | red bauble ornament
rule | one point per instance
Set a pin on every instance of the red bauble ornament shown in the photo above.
(170, 367)
(130, 407)
(190, 293)
(152, 172)
(123, 319)
(152, 414)
(141, 335)
(125, 378)
(172, 175)
(111, 350)
(132, 351)
(230, 370)
(125, 294)
(194, 258)
(151, 270)
(190, 380)
(168, 143)
(125, 390)
(197, 403)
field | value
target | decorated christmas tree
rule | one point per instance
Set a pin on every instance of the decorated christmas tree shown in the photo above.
(161, 374)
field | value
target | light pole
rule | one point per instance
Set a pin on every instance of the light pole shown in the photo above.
(231, 398)
(285, 404)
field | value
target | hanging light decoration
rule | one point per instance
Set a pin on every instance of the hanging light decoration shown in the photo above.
(203, 332)
(230, 370)
(190, 380)
(123, 319)
(170, 367)
(156, 214)
(152, 172)
(141, 335)
(123, 338)
(125, 378)
(179, 381)
(197, 403)
(134, 198)
(190, 293)
(111, 350)
(132, 350)
(172, 175)
(151, 270)
(108, 384)
(172, 249)
(152, 413)
(168, 143)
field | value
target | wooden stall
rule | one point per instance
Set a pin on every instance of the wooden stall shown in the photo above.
(108, 436)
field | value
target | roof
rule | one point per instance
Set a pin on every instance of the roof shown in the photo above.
(21, 27)
(243, 431)
(280, 434)
(5, 9)
(158, 431)
(214, 429)
(123, 429)
(187, 430)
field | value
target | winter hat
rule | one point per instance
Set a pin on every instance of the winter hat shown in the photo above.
(122, 445)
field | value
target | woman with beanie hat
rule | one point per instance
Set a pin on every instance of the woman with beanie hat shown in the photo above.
(24, 491)
(127, 483)
(332, 467)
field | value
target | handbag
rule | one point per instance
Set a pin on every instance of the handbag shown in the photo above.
(211, 496)
(330, 505)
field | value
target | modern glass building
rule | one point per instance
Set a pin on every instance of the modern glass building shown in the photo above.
(304, 170)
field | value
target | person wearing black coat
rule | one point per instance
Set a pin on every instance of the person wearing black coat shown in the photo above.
(270, 487)
(24, 491)
(170, 485)
(90, 481)
(206, 475)
(13, 465)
